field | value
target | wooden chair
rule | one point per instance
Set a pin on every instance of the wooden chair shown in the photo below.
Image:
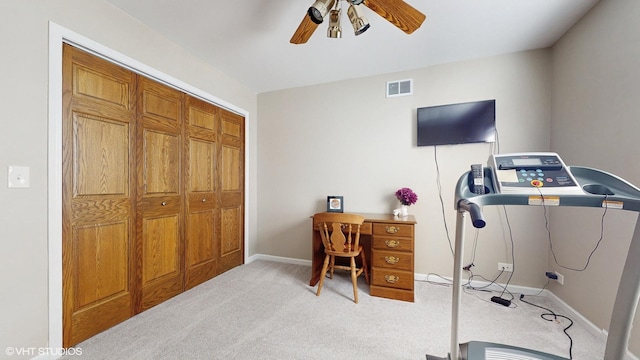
(333, 228)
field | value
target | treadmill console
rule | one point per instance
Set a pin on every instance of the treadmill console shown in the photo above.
(541, 173)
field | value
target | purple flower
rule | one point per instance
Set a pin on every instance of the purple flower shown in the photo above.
(406, 196)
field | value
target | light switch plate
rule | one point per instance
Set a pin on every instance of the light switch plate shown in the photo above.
(18, 176)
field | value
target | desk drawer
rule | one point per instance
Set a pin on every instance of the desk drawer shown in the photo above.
(394, 278)
(391, 293)
(365, 228)
(393, 229)
(392, 259)
(392, 243)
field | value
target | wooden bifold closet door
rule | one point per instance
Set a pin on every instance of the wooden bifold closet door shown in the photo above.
(153, 193)
(231, 190)
(159, 220)
(203, 220)
(98, 196)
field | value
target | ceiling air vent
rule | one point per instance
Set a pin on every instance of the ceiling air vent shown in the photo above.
(399, 88)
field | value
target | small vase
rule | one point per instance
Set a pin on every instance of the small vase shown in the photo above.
(404, 210)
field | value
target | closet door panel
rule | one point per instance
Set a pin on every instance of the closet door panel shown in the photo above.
(161, 163)
(201, 225)
(161, 103)
(102, 261)
(101, 148)
(202, 154)
(98, 87)
(231, 254)
(161, 248)
(201, 118)
(231, 174)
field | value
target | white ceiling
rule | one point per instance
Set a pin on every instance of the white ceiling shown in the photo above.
(249, 40)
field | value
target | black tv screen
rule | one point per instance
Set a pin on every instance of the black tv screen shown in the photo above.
(464, 123)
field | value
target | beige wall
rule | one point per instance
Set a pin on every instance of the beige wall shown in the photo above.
(24, 136)
(346, 138)
(595, 123)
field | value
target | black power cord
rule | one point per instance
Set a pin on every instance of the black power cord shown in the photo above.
(444, 217)
(546, 222)
(547, 317)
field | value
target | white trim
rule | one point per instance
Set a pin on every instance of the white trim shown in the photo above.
(492, 286)
(54, 197)
(57, 36)
(279, 259)
(576, 316)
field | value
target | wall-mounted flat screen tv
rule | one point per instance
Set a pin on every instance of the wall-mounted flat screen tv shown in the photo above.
(464, 123)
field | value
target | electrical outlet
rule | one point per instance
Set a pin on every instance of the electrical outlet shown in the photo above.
(560, 278)
(505, 267)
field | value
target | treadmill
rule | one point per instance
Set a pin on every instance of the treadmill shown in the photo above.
(532, 179)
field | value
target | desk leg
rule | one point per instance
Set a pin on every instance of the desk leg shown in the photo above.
(317, 257)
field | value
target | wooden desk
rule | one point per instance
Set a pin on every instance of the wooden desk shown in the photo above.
(388, 243)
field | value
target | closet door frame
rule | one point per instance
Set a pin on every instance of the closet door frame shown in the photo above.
(59, 35)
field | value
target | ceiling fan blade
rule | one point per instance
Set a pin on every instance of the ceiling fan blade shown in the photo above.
(304, 31)
(397, 12)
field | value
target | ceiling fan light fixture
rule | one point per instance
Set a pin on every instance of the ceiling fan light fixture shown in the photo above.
(319, 10)
(397, 12)
(334, 31)
(358, 20)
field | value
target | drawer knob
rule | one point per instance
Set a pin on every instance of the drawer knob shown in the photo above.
(392, 279)
(392, 243)
(164, 203)
(204, 199)
(391, 260)
(392, 229)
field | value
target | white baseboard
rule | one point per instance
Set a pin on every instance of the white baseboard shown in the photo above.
(514, 289)
(280, 259)
(576, 316)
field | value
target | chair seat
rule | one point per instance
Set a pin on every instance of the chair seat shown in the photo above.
(344, 253)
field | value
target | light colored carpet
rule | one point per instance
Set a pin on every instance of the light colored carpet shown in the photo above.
(267, 310)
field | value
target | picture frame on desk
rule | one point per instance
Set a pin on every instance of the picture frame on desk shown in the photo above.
(335, 204)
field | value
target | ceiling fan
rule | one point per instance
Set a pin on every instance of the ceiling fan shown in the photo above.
(397, 12)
